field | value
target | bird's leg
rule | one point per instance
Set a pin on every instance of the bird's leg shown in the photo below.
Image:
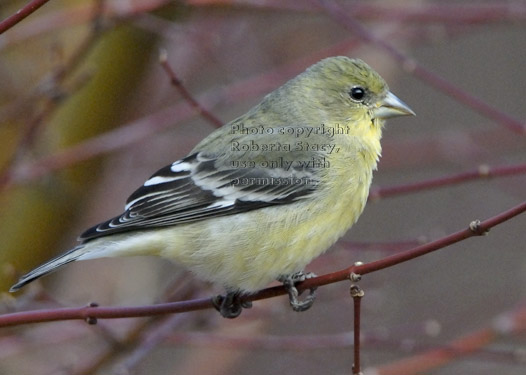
(289, 282)
(230, 305)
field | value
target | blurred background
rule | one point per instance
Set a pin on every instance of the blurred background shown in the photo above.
(87, 113)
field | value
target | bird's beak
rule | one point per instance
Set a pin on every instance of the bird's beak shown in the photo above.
(391, 106)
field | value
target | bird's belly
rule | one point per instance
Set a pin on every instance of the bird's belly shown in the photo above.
(247, 252)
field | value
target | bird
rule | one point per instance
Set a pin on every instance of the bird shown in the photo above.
(263, 195)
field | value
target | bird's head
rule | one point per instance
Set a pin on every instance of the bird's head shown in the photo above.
(341, 89)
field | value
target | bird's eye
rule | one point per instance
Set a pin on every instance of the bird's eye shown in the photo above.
(357, 93)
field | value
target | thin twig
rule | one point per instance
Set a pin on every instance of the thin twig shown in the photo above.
(357, 295)
(482, 172)
(475, 228)
(178, 84)
(22, 13)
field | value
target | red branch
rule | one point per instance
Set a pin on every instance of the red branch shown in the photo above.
(483, 171)
(476, 228)
(92, 313)
(187, 96)
(357, 295)
(22, 13)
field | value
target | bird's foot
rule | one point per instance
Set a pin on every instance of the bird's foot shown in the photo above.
(289, 282)
(230, 306)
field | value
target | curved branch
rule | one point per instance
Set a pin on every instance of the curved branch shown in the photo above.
(92, 312)
(483, 171)
(187, 96)
(22, 13)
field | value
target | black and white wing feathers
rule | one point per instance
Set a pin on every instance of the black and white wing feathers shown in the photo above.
(200, 187)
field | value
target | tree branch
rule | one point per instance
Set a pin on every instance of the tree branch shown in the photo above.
(91, 313)
(22, 13)
(482, 172)
(187, 96)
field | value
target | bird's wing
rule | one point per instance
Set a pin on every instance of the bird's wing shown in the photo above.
(202, 186)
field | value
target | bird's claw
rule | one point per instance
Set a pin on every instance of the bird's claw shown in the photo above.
(230, 305)
(289, 282)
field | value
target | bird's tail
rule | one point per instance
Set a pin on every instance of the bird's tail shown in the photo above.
(48, 267)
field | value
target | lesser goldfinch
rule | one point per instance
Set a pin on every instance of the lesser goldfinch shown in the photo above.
(260, 197)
